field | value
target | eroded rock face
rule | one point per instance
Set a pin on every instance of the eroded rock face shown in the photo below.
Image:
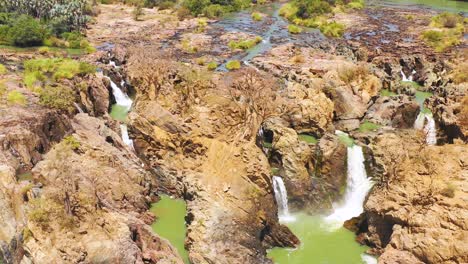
(418, 214)
(396, 111)
(96, 190)
(197, 139)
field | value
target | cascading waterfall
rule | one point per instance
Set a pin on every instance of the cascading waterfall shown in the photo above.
(409, 78)
(430, 130)
(123, 100)
(358, 185)
(77, 106)
(126, 139)
(120, 97)
(281, 197)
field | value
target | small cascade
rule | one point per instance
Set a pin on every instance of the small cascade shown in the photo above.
(120, 97)
(430, 130)
(419, 122)
(358, 185)
(368, 259)
(409, 78)
(126, 139)
(426, 121)
(77, 106)
(281, 197)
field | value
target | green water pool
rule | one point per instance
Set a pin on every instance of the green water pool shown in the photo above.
(171, 223)
(320, 244)
(119, 112)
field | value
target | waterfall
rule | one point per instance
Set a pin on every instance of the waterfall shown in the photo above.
(419, 123)
(77, 106)
(368, 259)
(409, 78)
(120, 97)
(281, 197)
(126, 139)
(429, 128)
(358, 185)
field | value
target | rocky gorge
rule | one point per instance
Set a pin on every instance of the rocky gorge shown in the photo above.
(77, 183)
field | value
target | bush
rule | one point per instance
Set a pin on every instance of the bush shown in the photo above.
(447, 20)
(183, 13)
(16, 97)
(359, 4)
(233, 65)
(212, 66)
(43, 50)
(332, 29)
(293, 29)
(214, 11)
(245, 44)
(440, 40)
(3, 69)
(368, 126)
(449, 190)
(59, 97)
(166, 5)
(196, 7)
(26, 31)
(72, 142)
(137, 12)
(257, 16)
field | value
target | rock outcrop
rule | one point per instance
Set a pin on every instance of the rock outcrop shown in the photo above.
(97, 192)
(418, 212)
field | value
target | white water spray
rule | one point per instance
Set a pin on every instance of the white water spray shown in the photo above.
(120, 97)
(281, 197)
(77, 106)
(409, 78)
(358, 185)
(126, 139)
(429, 127)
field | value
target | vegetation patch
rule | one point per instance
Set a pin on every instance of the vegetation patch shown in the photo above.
(233, 65)
(422, 96)
(16, 98)
(245, 44)
(3, 69)
(368, 126)
(315, 13)
(346, 139)
(39, 71)
(386, 92)
(447, 31)
(212, 66)
(57, 97)
(257, 16)
(307, 138)
(293, 29)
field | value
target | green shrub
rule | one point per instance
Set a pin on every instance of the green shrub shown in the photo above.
(359, 4)
(257, 16)
(137, 12)
(183, 13)
(233, 65)
(3, 69)
(214, 11)
(385, 92)
(245, 44)
(332, 29)
(16, 97)
(26, 31)
(368, 126)
(58, 97)
(440, 40)
(307, 138)
(449, 190)
(447, 20)
(212, 66)
(196, 7)
(43, 50)
(72, 142)
(166, 5)
(59, 68)
(293, 29)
